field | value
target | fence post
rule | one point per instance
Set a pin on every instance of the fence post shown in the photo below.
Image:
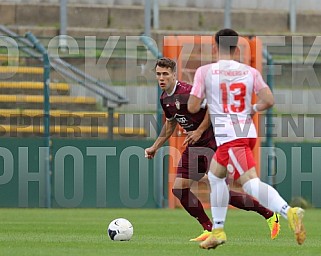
(292, 14)
(148, 42)
(46, 110)
(269, 122)
(110, 123)
(63, 24)
(147, 17)
(227, 14)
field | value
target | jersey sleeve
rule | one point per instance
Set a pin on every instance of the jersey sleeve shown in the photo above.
(258, 81)
(198, 88)
(204, 104)
(168, 116)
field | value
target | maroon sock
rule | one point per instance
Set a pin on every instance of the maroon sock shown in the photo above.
(193, 206)
(248, 203)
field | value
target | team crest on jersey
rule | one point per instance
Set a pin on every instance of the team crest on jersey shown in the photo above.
(177, 104)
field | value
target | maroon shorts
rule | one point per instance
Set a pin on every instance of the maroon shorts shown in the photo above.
(195, 161)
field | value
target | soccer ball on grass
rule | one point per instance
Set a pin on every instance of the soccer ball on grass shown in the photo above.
(120, 229)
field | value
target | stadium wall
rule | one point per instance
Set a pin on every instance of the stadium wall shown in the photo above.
(296, 173)
(85, 173)
(307, 5)
(104, 20)
(115, 174)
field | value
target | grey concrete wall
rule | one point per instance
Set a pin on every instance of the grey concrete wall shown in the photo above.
(306, 5)
(103, 21)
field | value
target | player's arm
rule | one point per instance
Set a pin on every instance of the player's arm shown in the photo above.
(196, 96)
(266, 100)
(194, 136)
(265, 95)
(205, 123)
(194, 104)
(166, 132)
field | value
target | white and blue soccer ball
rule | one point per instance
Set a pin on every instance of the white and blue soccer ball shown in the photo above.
(120, 229)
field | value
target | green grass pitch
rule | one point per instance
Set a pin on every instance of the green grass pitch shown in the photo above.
(162, 232)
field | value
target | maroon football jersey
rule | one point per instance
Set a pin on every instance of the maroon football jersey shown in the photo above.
(175, 106)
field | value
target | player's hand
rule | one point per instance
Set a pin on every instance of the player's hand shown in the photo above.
(150, 152)
(192, 137)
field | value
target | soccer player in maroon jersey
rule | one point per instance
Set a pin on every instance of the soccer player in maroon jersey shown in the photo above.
(199, 151)
(228, 86)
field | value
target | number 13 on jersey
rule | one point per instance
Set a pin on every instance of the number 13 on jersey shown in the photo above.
(237, 92)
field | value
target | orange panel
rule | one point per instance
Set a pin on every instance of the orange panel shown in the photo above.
(175, 151)
(249, 53)
(256, 62)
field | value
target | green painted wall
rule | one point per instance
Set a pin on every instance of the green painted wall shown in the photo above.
(85, 173)
(298, 171)
(102, 173)
(21, 183)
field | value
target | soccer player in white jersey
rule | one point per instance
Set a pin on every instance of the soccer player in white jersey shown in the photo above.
(228, 86)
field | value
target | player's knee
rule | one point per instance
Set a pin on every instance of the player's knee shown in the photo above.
(178, 192)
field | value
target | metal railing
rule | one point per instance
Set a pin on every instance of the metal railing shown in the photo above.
(28, 46)
(100, 88)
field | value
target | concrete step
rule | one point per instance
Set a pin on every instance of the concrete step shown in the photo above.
(76, 124)
(71, 131)
(8, 101)
(33, 88)
(27, 117)
(22, 70)
(21, 73)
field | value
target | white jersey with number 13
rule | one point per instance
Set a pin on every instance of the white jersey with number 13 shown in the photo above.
(228, 86)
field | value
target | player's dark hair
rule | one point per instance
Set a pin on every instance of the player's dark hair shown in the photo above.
(166, 63)
(227, 39)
